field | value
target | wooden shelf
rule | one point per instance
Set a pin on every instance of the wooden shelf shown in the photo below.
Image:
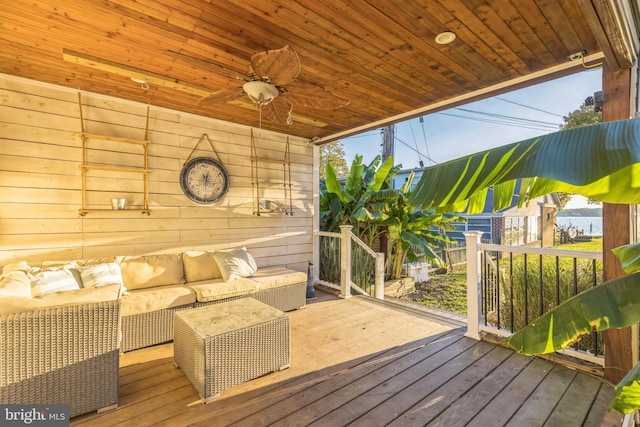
(85, 166)
(83, 212)
(260, 205)
(114, 168)
(113, 138)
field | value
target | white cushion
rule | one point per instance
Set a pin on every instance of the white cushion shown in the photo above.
(235, 263)
(16, 266)
(94, 276)
(15, 284)
(53, 280)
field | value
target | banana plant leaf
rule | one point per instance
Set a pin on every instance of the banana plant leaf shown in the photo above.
(600, 161)
(629, 256)
(614, 304)
(627, 397)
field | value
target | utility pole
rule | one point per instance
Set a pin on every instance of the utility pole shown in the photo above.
(388, 141)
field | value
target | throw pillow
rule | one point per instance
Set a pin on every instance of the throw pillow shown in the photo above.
(16, 266)
(235, 264)
(94, 276)
(15, 284)
(53, 280)
(199, 266)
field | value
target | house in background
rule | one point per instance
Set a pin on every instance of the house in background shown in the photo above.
(533, 224)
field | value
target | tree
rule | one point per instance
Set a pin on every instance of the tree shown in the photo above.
(367, 201)
(412, 232)
(583, 116)
(352, 202)
(333, 154)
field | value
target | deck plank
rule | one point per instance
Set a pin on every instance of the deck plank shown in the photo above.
(508, 401)
(354, 362)
(330, 406)
(537, 408)
(574, 406)
(431, 406)
(469, 404)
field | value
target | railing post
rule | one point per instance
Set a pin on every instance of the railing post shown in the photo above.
(345, 261)
(379, 286)
(474, 284)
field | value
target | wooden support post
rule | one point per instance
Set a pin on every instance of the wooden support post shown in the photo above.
(620, 345)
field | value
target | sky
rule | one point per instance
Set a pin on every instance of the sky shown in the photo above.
(481, 125)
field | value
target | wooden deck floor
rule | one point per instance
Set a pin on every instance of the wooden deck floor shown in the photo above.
(359, 363)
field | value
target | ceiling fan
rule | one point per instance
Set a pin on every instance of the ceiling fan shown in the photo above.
(272, 85)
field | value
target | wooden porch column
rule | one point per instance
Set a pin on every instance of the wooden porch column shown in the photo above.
(620, 345)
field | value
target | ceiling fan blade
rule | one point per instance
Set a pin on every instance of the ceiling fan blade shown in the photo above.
(221, 97)
(305, 94)
(281, 66)
(278, 111)
(210, 66)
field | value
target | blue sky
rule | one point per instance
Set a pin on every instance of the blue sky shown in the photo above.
(481, 125)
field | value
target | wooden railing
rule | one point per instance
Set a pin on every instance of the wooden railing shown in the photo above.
(508, 287)
(345, 263)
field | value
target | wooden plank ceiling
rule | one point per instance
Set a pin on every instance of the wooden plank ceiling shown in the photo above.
(381, 56)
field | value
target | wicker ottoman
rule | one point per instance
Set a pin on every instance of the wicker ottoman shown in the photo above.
(222, 345)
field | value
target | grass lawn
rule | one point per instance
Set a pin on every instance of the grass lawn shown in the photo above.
(595, 245)
(446, 291)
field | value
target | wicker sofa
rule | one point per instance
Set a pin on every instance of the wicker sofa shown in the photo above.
(159, 285)
(63, 346)
(59, 349)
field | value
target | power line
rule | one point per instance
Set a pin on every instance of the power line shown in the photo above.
(515, 119)
(499, 122)
(527, 106)
(413, 149)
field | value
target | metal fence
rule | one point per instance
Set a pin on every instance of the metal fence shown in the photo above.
(517, 284)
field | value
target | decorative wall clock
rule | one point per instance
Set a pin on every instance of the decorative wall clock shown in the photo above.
(204, 179)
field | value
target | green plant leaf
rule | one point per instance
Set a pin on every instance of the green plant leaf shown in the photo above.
(614, 304)
(600, 161)
(627, 396)
(629, 256)
(382, 174)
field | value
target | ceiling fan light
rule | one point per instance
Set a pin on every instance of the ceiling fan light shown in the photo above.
(260, 92)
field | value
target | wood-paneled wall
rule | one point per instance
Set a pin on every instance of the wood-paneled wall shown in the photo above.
(40, 182)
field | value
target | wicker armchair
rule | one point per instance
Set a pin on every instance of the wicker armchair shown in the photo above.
(67, 355)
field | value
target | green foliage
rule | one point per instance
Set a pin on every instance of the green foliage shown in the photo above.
(353, 202)
(412, 232)
(367, 201)
(600, 161)
(333, 153)
(583, 116)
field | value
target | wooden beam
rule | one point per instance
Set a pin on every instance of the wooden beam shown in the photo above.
(131, 72)
(617, 226)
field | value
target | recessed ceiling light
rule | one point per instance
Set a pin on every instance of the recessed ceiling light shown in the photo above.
(445, 37)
